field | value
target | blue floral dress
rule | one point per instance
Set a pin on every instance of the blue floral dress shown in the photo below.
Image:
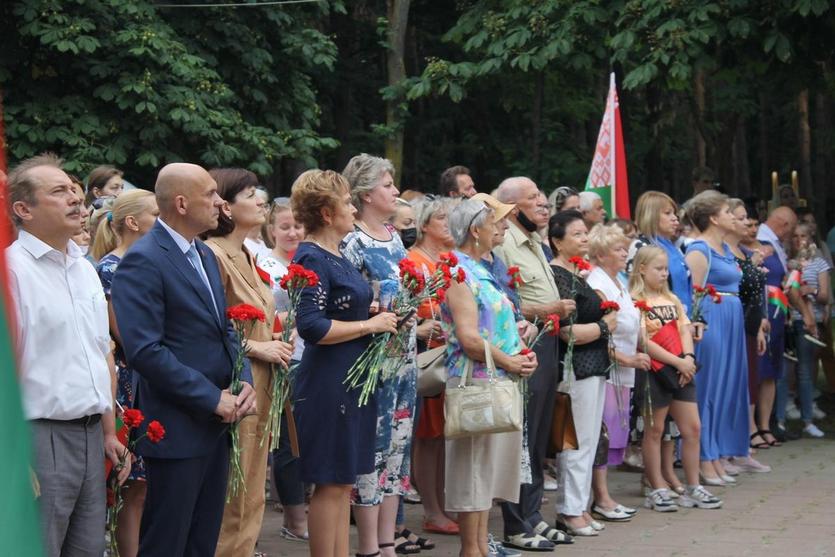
(106, 268)
(378, 260)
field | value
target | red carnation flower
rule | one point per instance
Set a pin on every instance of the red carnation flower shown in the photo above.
(580, 263)
(643, 306)
(515, 277)
(245, 312)
(460, 275)
(132, 417)
(525, 351)
(155, 432)
(609, 306)
(698, 289)
(717, 299)
(440, 295)
(711, 290)
(449, 258)
(552, 323)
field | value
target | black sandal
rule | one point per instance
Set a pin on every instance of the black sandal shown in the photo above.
(423, 543)
(764, 445)
(774, 443)
(402, 546)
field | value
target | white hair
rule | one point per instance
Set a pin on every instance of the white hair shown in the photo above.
(510, 190)
(464, 216)
(587, 199)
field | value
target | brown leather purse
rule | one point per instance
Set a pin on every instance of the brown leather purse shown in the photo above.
(563, 433)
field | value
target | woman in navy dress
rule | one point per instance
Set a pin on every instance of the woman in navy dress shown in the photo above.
(336, 436)
(722, 382)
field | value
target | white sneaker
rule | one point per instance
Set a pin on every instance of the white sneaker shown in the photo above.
(659, 500)
(751, 465)
(730, 468)
(792, 411)
(549, 484)
(817, 413)
(701, 498)
(812, 431)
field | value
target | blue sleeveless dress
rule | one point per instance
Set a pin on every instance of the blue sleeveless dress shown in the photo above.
(722, 381)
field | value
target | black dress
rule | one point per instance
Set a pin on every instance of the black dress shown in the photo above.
(591, 359)
(751, 293)
(336, 436)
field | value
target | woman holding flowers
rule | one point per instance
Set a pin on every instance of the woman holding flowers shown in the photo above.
(375, 249)
(243, 211)
(608, 250)
(480, 468)
(285, 233)
(433, 238)
(130, 218)
(722, 383)
(336, 435)
(585, 368)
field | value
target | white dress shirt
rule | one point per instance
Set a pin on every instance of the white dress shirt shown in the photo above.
(63, 334)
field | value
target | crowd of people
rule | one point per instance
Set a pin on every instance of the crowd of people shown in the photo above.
(666, 340)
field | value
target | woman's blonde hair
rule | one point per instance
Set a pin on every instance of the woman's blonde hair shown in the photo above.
(313, 191)
(645, 256)
(277, 207)
(110, 230)
(648, 211)
(604, 238)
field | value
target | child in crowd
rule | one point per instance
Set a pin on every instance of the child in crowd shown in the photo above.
(677, 395)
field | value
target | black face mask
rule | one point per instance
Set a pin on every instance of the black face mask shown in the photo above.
(526, 223)
(409, 237)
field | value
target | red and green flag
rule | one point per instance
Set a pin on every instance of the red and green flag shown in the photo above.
(19, 528)
(778, 299)
(607, 176)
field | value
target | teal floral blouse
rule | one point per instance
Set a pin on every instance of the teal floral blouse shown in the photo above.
(496, 319)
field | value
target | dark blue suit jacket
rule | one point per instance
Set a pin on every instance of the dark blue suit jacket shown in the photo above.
(183, 352)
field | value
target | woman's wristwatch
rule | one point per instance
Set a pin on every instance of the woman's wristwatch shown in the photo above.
(689, 354)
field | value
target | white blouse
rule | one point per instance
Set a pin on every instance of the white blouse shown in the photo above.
(628, 322)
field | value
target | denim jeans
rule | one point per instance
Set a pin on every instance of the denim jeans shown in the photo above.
(806, 369)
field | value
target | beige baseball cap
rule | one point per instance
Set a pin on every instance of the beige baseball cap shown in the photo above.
(500, 210)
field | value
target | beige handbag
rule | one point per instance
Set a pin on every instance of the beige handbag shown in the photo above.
(431, 372)
(472, 408)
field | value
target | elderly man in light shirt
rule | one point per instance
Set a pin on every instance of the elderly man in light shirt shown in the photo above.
(65, 363)
(524, 527)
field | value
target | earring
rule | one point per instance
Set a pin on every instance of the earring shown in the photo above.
(476, 243)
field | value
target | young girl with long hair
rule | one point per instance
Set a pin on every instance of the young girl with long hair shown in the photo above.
(648, 283)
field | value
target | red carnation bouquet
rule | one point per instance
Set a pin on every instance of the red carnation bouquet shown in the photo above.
(581, 267)
(132, 418)
(387, 351)
(297, 279)
(699, 294)
(243, 317)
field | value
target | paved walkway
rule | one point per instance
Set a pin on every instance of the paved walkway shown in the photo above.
(786, 512)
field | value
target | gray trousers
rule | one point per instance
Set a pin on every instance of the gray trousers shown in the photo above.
(522, 517)
(69, 463)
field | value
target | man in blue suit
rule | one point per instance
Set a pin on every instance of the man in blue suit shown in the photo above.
(171, 314)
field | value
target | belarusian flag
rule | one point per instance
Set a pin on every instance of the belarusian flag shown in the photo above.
(19, 528)
(778, 299)
(607, 176)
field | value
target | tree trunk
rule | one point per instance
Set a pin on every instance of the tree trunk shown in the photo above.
(699, 94)
(764, 189)
(805, 144)
(823, 132)
(536, 123)
(398, 18)
(742, 173)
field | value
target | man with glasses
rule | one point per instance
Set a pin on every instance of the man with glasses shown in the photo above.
(524, 527)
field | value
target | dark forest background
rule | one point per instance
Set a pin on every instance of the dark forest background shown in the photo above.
(502, 86)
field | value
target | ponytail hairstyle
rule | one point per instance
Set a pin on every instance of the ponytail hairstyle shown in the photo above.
(645, 256)
(110, 230)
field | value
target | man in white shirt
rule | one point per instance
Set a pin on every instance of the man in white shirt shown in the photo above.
(63, 348)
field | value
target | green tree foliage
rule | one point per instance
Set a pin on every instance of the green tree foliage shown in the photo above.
(124, 82)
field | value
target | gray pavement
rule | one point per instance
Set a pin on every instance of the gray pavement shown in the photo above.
(788, 512)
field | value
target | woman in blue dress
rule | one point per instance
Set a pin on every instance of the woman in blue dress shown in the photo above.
(336, 435)
(131, 216)
(722, 382)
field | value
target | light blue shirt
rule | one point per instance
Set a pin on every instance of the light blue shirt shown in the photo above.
(185, 246)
